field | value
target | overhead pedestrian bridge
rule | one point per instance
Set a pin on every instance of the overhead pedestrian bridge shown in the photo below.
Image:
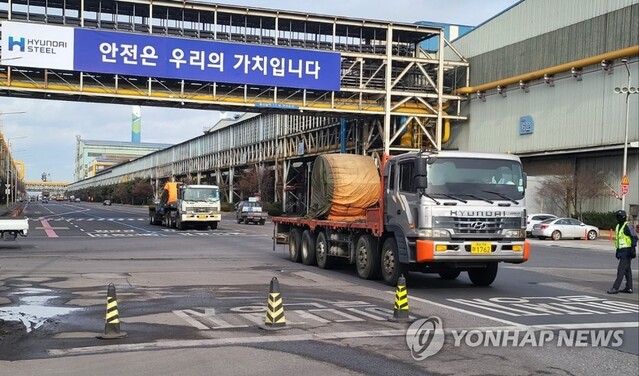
(367, 77)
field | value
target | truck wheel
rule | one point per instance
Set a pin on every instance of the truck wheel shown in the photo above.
(152, 219)
(179, 224)
(324, 260)
(391, 267)
(294, 240)
(262, 222)
(449, 274)
(367, 257)
(483, 276)
(308, 248)
(169, 222)
(213, 225)
(239, 220)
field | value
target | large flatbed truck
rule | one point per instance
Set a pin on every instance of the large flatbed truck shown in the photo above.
(447, 212)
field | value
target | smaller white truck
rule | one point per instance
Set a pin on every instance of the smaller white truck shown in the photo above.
(183, 205)
(11, 227)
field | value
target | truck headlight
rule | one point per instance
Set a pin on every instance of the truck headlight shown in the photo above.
(520, 234)
(433, 233)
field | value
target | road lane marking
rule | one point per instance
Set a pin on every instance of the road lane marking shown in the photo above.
(550, 305)
(216, 342)
(225, 342)
(48, 229)
(461, 310)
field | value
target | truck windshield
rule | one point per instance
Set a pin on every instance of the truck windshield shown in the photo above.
(493, 179)
(202, 194)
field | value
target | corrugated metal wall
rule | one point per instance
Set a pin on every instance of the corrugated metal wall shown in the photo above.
(572, 114)
(609, 32)
(531, 18)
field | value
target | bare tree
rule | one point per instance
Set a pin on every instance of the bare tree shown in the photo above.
(142, 191)
(568, 190)
(256, 181)
(121, 194)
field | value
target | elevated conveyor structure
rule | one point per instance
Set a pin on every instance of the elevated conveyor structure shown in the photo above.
(55, 188)
(386, 81)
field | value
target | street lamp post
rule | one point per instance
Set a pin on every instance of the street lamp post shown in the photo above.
(626, 90)
(13, 178)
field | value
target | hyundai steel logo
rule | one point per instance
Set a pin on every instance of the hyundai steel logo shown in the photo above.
(478, 225)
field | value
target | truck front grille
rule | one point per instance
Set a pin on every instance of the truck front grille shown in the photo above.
(477, 225)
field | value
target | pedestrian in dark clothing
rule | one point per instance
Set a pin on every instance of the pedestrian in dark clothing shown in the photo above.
(626, 246)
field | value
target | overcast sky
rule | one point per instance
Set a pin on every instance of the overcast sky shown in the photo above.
(44, 135)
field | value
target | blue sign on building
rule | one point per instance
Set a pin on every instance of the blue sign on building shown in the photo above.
(202, 60)
(526, 125)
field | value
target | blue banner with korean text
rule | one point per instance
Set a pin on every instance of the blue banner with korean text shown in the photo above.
(203, 60)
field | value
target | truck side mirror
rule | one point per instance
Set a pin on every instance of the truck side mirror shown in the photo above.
(525, 180)
(420, 167)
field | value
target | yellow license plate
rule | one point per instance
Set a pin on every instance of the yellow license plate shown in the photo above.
(480, 248)
(201, 216)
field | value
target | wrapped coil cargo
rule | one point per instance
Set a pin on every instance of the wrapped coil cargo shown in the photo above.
(343, 186)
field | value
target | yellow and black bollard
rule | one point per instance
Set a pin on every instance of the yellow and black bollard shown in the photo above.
(275, 310)
(400, 310)
(112, 322)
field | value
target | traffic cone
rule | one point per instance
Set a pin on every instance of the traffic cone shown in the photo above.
(400, 310)
(112, 321)
(275, 310)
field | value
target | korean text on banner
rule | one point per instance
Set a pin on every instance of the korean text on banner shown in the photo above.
(97, 51)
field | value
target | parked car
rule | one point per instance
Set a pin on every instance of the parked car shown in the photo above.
(533, 219)
(106, 202)
(250, 211)
(559, 228)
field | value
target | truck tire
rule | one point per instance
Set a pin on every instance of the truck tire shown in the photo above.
(391, 267)
(152, 219)
(324, 260)
(308, 248)
(483, 276)
(262, 222)
(367, 257)
(179, 225)
(169, 222)
(239, 220)
(213, 225)
(449, 274)
(294, 244)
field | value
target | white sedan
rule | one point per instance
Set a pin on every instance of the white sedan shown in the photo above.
(533, 219)
(558, 228)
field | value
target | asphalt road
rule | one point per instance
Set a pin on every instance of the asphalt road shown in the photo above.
(193, 301)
